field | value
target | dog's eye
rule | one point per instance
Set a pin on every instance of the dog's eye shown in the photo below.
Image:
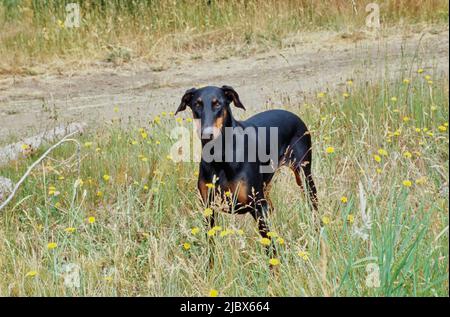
(215, 104)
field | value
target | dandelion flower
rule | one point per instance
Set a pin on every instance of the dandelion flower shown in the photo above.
(377, 158)
(350, 82)
(407, 154)
(106, 177)
(379, 170)
(406, 81)
(382, 152)
(344, 199)
(87, 144)
(329, 150)
(304, 255)
(272, 234)
(274, 262)
(70, 229)
(442, 128)
(91, 220)
(394, 99)
(186, 245)
(211, 232)
(326, 220)
(345, 95)
(265, 241)
(207, 212)
(351, 218)
(108, 278)
(407, 183)
(213, 293)
(52, 245)
(210, 185)
(406, 119)
(280, 241)
(420, 70)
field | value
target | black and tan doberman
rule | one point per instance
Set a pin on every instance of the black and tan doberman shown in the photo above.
(243, 177)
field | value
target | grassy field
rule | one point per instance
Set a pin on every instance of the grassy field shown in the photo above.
(132, 224)
(33, 32)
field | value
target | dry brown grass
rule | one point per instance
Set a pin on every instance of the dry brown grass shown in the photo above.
(119, 31)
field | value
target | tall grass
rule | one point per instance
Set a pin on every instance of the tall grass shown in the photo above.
(383, 136)
(33, 31)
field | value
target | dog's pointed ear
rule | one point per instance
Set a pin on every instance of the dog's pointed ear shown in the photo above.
(233, 96)
(185, 100)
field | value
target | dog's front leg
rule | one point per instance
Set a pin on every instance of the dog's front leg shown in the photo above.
(260, 215)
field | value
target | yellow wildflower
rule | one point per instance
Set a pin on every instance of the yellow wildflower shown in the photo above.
(407, 183)
(326, 220)
(382, 152)
(329, 150)
(106, 177)
(91, 220)
(377, 158)
(52, 245)
(213, 293)
(186, 245)
(304, 255)
(207, 212)
(70, 229)
(351, 218)
(265, 241)
(274, 262)
(407, 154)
(344, 199)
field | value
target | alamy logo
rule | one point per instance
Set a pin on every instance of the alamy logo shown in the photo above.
(233, 144)
(73, 15)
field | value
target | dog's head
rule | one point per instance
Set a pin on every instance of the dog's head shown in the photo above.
(210, 108)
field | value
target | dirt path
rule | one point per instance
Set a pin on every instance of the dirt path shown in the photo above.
(314, 61)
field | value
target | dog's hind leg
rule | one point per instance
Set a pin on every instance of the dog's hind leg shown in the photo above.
(301, 159)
